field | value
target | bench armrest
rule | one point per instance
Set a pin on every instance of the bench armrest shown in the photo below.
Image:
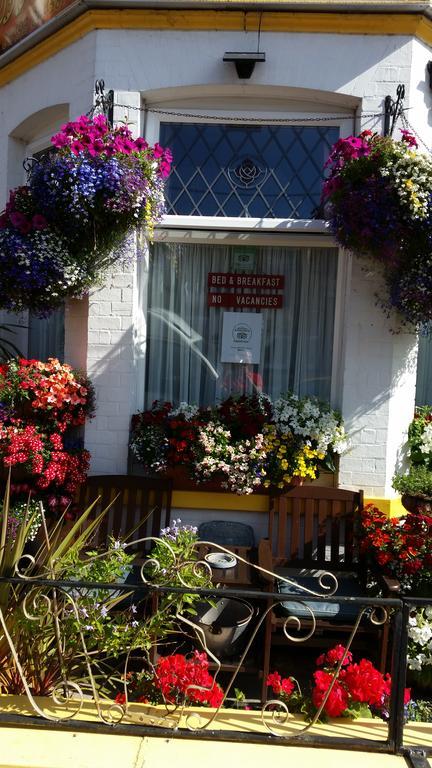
(265, 560)
(390, 585)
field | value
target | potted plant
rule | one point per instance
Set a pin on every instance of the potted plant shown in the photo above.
(415, 486)
(245, 444)
(42, 406)
(400, 547)
(60, 232)
(176, 680)
(377, 199)
(341, 688)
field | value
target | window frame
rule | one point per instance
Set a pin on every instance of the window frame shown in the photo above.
(242, 230)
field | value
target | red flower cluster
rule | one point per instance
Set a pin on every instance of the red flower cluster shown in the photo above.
(245, 416)
(355, 684)
(338, 699)
(180, 679)
(97, 138)
(57, 395)
(281, 686)
(334, 656)
(400, 546)
(176, 680)
(40, 402)
(42, 455)
(176, 435)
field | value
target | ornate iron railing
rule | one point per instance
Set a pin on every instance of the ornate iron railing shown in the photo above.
(81, 676)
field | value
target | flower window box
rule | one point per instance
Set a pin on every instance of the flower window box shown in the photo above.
(247, 444)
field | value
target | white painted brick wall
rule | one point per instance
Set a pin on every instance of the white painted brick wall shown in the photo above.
(378, 386)
(110, 364)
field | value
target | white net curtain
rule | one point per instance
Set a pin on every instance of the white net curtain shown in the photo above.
(184, 335)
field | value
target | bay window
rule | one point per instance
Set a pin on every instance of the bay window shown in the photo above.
(241, 202)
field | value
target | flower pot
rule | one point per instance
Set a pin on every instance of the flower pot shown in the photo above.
(223, 624)
(183, 481)
(419, 505)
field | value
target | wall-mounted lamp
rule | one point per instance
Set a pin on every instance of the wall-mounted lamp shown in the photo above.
(244, 62)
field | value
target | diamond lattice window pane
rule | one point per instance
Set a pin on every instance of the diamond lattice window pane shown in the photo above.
(264, 171)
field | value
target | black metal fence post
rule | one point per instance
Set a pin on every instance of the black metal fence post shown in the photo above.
(398, 676)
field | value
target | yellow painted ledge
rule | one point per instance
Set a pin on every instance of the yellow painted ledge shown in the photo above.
(258, 503)
(407, 24)
(33, 748)
(390, 507)
(223, 501)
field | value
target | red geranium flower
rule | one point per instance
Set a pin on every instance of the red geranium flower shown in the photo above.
(337, 701)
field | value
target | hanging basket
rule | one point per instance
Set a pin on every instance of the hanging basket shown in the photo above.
(60, 233)
(378, 201)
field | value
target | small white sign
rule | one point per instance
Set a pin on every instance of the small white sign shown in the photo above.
(241, 337)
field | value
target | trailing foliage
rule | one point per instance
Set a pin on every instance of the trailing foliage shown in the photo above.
(59, 233)
(378, 200)
(247, 442)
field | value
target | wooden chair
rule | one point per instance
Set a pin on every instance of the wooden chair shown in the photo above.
(311, 530)
(134, 502)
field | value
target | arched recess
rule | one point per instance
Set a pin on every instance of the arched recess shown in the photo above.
(32, 135)
(239, 97)
(29, 137)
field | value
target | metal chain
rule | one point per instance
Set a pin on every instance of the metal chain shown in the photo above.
(406, 124)
(243, 119)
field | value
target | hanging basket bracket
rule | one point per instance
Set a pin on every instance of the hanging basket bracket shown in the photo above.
(103, 102)
(393, 110)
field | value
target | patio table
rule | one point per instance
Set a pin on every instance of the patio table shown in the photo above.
(240, 575)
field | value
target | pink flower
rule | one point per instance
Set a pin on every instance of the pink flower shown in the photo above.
(69, 129)
(140, 144)
(98, 146)
(164, 169)
(77, 147)
(158, 151)
(409, 139)
(60, 140)
(101, 122)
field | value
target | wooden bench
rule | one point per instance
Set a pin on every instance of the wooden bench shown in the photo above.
(138, 504)
(314, 530)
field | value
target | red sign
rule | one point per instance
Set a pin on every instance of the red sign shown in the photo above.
(245, 300)
(237, 280)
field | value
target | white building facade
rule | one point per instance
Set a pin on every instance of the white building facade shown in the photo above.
(147, 332)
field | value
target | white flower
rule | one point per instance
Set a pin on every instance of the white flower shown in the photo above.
(426, 443)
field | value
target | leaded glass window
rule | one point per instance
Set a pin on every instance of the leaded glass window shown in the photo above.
(257, 171)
